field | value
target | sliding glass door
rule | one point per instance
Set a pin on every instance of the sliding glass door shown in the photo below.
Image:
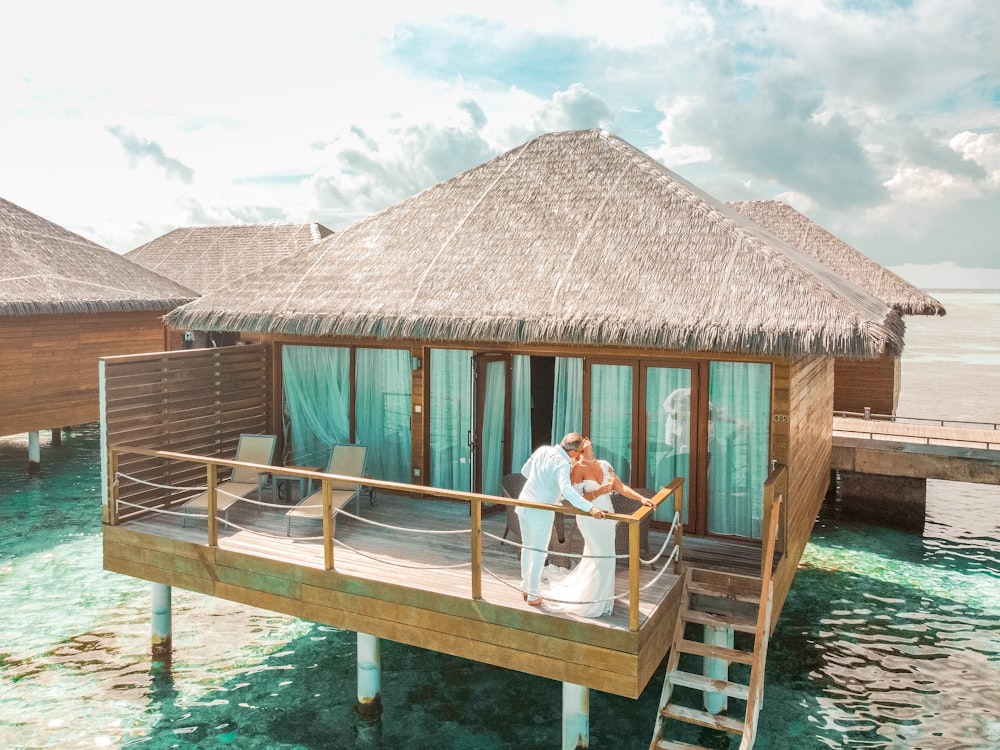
(669, 433)
(450, 419)
(738, 438)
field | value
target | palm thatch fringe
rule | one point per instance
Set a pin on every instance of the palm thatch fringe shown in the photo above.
(572, 238)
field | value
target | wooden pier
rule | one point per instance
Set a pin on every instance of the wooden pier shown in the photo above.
(881, 464)
(918, 449)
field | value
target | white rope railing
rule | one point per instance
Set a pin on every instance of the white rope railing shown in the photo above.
(220, 489)
(157, 486)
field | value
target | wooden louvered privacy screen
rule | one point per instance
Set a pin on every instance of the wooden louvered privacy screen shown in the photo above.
(197, 401)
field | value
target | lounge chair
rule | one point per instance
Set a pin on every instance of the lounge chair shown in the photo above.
(347, 461)
(253, 449)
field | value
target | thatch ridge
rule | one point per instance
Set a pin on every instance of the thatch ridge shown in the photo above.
(209, 257)
(570, 238)
(799, 231)
(46, 269)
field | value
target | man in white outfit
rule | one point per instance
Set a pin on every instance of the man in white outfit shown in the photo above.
(547, 473)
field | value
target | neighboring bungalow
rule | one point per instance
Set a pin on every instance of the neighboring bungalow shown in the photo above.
(570, 284)
(208, 258)
(859, 384)
(65, 302)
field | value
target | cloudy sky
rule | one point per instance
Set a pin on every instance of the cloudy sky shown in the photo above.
(879, 119)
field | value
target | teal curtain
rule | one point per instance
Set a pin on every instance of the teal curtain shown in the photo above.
(317, 390)
(567, 397)
(492, 428)
(382, 387)
(739, 395)
(611, 416)
(450, 419)
(668, 432)
(521, 411)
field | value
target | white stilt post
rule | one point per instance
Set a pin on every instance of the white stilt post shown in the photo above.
(717, 669)
(369, 676)
(34, 454)
(162, 628)
(575, 716)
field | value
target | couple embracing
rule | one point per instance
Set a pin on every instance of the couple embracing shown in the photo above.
(571, 471)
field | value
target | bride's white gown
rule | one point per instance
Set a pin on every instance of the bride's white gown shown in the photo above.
(588, 589)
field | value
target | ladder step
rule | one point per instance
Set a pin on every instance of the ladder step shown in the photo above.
(736, 622)
(703, 718)
(707, 589)
(677, 745)
(715, 652)
(707, 684)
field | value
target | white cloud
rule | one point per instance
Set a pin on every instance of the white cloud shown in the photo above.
(878, 119)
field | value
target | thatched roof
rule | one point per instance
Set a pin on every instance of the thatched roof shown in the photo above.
(45, 269)
(574, 238)
(801, 232)
(206, 258)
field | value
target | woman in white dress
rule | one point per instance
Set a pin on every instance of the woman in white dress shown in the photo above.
(589, 589)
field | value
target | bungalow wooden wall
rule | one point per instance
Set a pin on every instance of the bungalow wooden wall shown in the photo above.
(873, 383)
(808, 426)
(48, 364)
(197, 401)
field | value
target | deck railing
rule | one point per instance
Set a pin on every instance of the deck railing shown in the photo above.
(775, 488)
(775, 491)
(946, 432)
(114, 515)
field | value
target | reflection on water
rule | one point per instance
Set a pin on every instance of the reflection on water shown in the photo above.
(888, 640)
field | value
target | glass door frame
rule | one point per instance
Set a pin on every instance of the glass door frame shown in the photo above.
(695, 488)
(480, 363)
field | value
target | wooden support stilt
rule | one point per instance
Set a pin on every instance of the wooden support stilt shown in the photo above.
(162, 629)
(34, 455)
(56, 437)
(369, 677)
(715, 668)
(575, 716)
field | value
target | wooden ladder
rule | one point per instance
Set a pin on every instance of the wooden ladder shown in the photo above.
(742, 606)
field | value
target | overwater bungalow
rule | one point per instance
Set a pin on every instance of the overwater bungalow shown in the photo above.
(570, 284)
(860, 385)
(64, 302)
(206, 258)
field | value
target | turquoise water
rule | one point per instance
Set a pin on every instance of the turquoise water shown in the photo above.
(888, 639)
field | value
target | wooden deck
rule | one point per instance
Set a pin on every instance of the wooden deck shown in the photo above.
(394, 579)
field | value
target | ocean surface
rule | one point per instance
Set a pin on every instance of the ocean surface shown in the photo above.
(889, 639)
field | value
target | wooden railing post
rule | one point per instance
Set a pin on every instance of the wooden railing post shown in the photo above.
(776, 485)
(111, 512)
(329, 524)
(476, 545)
(679, 528)
(633, 575)
(211, 473)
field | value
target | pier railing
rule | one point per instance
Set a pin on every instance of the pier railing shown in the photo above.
(926, 431)
(131, 497)
(968, 424)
